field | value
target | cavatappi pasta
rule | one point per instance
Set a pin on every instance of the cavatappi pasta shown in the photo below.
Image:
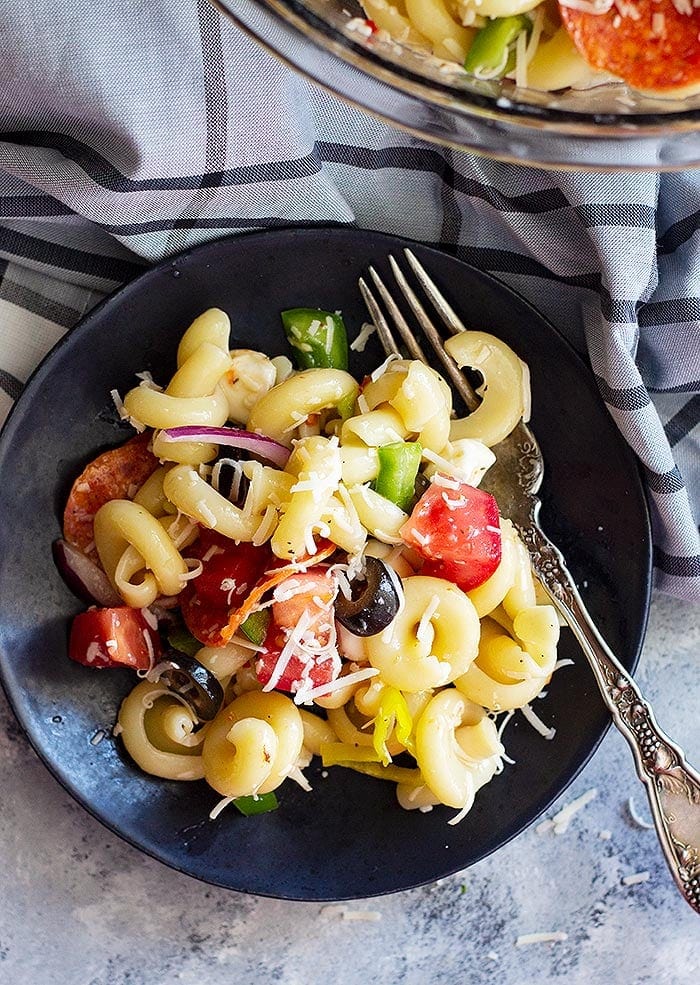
(313, 551)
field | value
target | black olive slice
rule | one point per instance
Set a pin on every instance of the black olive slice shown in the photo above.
(374, 603)
(231, 482)
(189, 678)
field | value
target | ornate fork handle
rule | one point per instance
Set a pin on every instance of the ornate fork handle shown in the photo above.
(672, 785)
(515, 477)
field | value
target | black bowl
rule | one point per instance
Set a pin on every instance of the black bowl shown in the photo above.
(348, 838)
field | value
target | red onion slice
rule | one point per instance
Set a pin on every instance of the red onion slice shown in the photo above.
(258, 444)
(84, 578)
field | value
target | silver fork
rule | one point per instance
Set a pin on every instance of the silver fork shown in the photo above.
(672, 785)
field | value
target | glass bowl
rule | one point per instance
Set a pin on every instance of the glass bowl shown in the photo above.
(609, 127)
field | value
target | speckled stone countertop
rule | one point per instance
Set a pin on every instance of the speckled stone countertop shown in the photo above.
(80, 907)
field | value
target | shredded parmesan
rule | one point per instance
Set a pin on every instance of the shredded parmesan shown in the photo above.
(546, 937)
(445, 466)
(218, 808)
(521, 60)
(635, 878)
(195, 568)
(462, 814)
(501, 728)
(213, 550)
(266, 527)
(425, 633)
(358, 344)
(150, 618)
(563, 663)
(658, 25)
(297, 776)
(560, 822)
(590, 6)
(151, 654)
(381, 370)
(123, 412)
(148, 381)
(539, 726)
(119, 404)
(304, 697)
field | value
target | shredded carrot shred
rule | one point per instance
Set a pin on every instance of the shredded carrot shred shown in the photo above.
(273, 577)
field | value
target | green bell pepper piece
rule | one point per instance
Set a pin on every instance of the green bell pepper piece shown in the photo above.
(398, 468)
(262, 804)
(490, 49)
(181, 639)
(318, 338)
(255, 626)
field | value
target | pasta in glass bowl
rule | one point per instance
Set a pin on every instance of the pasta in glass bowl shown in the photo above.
(349, 837)
(534, 92)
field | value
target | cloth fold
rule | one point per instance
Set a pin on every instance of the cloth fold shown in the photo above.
(130, 132)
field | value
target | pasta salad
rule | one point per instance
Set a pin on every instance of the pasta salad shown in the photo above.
(299, 564)
(550, 45)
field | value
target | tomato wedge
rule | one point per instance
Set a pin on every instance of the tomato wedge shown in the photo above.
(116, 474)
(455, 528)
(309, 596)
(298, 670)
(650, 44)
(119, 637)
(311, 592)
(230, 571)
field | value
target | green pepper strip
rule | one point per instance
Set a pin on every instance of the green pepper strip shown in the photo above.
(489, 49)
(340, 753)
(318, 338)
(393, 714)
(181, 639)
(346, 406)
(255, 626)
(398, 467)
(261, 804)
(396, 774)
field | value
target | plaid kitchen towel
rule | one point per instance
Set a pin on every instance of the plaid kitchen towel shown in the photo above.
(131, 131)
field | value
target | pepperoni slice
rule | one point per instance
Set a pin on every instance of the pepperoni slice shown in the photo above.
(650, 44)
(113, 475)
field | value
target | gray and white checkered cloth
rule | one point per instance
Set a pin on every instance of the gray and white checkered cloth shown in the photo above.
(131, 131)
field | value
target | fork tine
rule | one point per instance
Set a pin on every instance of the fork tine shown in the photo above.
(386, 337)
(443, 308)
(457, 379)
(400, 322)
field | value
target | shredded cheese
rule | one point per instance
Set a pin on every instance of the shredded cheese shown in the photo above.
(635, 878)
(425, 633)
(218, 808)
(381, 370)
(306, 697)
(545, 937)
(539, 726)
(560, 822)
(445, 466)
(358, 344)
(212, 551)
